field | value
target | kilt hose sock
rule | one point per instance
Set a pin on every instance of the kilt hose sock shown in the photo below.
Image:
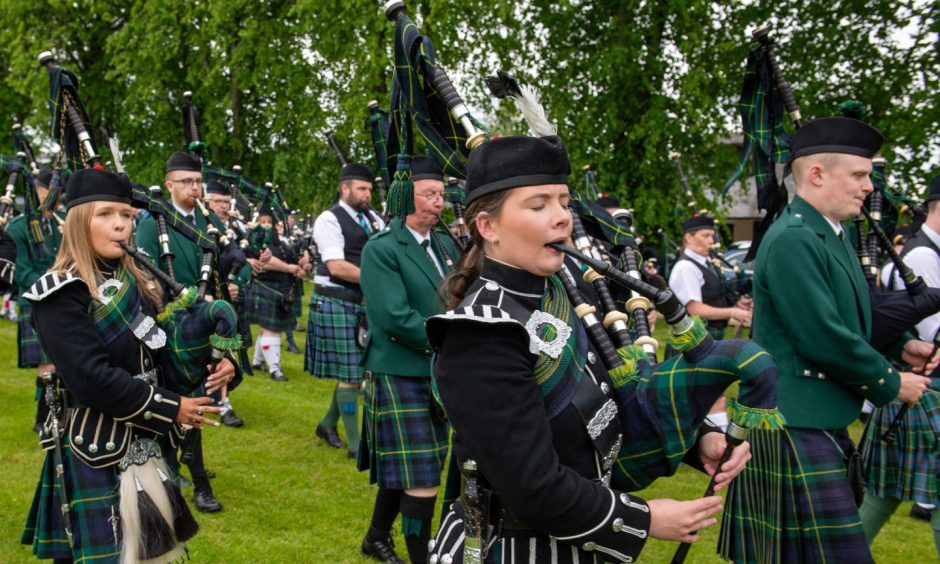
(876, 511)
(416, 513)
(257, 358)
(332, 414)
(387, 502)
(271, 351)
(348, 401)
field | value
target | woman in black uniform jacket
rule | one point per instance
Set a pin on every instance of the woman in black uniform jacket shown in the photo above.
(528, 400)
(94, 312)
(270, 297)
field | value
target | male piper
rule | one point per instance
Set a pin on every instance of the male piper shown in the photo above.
(405, 440)
(219, 200)
(698, 283)
(332, 349)
(183, 179)
(34, 255)
(813, 314)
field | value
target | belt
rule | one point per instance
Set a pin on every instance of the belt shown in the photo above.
(338, 293)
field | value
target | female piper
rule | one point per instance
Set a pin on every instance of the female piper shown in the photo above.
(535, 430)
(270, 297)
(94, 312)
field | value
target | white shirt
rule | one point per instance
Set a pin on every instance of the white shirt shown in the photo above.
(430, 251)
(183, 212)
(686, 280)
(328, 236)
(925, 263)
(836, 226)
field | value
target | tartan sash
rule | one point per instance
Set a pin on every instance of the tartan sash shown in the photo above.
(558, 377)
(120, 303)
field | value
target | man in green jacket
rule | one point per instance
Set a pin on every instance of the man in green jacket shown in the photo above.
(404, 442)
(183, 179)
(813, 314)
(37, 240)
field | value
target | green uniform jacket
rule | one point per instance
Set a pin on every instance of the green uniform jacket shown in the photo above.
(812, 313)
(32, 260)
(400, 286)
(187, 255)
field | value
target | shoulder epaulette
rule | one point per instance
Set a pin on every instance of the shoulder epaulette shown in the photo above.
(488, 303)
(49, 283)
(796, 220)
(382, 233)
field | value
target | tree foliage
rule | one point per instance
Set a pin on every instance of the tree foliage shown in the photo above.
(628, 81)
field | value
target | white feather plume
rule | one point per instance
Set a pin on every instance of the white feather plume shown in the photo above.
(531, 107)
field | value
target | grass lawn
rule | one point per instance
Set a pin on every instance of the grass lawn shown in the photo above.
(290, 498)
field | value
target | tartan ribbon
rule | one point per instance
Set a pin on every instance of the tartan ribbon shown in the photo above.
(378, 125)
(598, 222)
(765, 140)
(418, 113)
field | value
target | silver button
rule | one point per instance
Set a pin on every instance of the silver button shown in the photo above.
(78, 440)
(591, 357)
(797, 215)
(447, 559)
(128, 424)
(110, 446)
(605, 387)
(492, 286)
(148, 415)
(617, 525)
(822, 376)
(589, 546)
(158, 397)
(881, 381)
(807, 373)
(431, 544)
(93, 448)
(433, 559)
(864, 387)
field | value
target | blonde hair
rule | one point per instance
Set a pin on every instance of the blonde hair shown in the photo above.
(77, 256)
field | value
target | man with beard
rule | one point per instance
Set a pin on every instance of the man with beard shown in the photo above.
(183, 179)
(405, 439)
(332, 349)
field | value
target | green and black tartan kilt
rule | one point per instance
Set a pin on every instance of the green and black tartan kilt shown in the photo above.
(92, 495)
(404, 445)
(263, 305)
(908, 468)
(793, 503)
(31, 354)
(331, 350)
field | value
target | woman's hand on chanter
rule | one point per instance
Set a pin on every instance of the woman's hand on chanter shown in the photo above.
(711, 447)
(674, 520)
(192, 412)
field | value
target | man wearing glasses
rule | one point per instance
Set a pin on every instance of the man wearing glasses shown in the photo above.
(405, 440)
(184, 181)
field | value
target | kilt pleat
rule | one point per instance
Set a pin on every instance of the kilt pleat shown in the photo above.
(92, 493)
(793, 502)
(31, 354)
(909, 468)
(331, 350)
(404, 445)
(262, 306)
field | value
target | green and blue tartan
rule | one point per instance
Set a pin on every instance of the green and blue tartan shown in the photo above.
(192, 333)
(331, 350)
(793, 503)
(667, 403)
(262, 305)
(378, 125)
(909, 468)
(403, 444)
(30, 350)
(93, 502)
